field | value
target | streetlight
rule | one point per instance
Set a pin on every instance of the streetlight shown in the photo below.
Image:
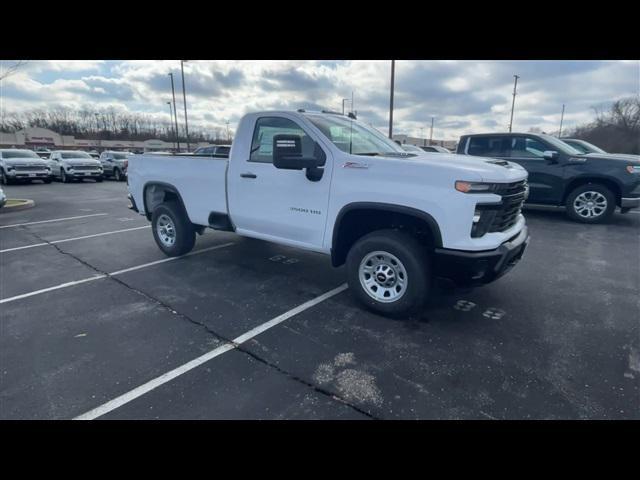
(431, 134)
(173, 92)
(513, 103)
(561, 119)
(393, 71)
(184, 96)
(171, 116)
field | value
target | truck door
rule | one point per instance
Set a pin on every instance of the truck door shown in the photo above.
(275, 204)
(545, 176)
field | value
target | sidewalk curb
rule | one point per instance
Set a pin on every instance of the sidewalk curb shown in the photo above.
(15, 208)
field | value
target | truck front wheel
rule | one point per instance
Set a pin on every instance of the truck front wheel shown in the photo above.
(172, 230)
(591, 203)
(389, 272)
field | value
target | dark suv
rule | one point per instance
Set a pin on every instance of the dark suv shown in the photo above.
(589, 185)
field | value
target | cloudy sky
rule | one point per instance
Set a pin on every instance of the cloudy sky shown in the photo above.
(463, 96)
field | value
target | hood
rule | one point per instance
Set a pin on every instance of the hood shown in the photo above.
(466, 167)
(81, 161)
(623, 157)
(32, 162)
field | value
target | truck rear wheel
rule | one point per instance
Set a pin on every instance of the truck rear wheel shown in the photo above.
(389, 272)
(172, 230)
(591, 203)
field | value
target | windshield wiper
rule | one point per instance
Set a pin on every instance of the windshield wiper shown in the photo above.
(369, 154)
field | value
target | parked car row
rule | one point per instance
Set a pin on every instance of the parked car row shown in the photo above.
(20, 165)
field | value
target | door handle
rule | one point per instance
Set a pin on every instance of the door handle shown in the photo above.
(248, 175)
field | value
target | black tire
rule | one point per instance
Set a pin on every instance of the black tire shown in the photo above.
(413, 258)
(184, 231)
(591, 190)
(47, 180)
(63, 176)
(117, 175)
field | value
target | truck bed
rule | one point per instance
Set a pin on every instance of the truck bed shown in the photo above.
(201, 181)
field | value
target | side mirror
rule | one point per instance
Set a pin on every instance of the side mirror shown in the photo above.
(551, 155)
(287, 153)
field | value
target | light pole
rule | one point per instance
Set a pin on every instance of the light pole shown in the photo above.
(513, 103)
(431, 134)
(173, 92)
(184, 96)
(171, 122)
(343, 100)
(393, 72)
(561, 119)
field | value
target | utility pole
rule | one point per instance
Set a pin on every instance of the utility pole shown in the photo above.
(173, 92)
(431, 133)
(184, 96)
(171, 122)
(561, 119)
(393, 72)
(513, 103)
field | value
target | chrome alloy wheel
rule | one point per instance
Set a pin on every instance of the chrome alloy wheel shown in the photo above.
(166, 230)
(590, 204)
(383, 277)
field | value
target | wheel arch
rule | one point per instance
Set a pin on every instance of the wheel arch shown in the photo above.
(155, 193)
(608, 182)
(360, 218)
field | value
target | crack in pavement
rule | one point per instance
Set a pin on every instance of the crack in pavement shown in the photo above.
(218, 336)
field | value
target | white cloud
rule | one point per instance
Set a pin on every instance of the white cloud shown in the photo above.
(463, 96)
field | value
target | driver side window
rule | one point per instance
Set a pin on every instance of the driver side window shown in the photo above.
(266, 128)
(525, 147)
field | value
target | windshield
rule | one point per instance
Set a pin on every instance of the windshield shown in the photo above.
(120, 156)
(412, 148)
(355, 137)
(19, 154)
(75, 155)
(561, 146)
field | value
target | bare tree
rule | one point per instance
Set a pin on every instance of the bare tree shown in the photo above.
(11, 69)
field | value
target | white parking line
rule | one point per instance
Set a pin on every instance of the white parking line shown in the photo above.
(99, 276)
(72, 239)
(176, 372)
(53, 220)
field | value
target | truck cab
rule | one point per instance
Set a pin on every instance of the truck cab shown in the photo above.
(589, 186)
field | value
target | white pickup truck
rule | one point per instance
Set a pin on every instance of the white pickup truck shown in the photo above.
(331, 184)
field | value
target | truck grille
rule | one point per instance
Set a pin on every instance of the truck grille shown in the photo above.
(29, 168)
(88, 168)
(513, 196)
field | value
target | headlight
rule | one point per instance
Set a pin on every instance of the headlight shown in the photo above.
(475, 187)
(633, 168)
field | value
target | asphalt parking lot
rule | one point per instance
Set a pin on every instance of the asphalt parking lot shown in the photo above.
(97, 323)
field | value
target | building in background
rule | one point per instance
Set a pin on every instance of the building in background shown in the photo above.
(41, 138)
(421, 142)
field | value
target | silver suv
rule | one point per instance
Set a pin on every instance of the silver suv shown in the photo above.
(22, 165)
(115, 164)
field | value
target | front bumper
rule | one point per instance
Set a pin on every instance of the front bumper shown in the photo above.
(27, 175)
(478, 268)
(89, 174)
